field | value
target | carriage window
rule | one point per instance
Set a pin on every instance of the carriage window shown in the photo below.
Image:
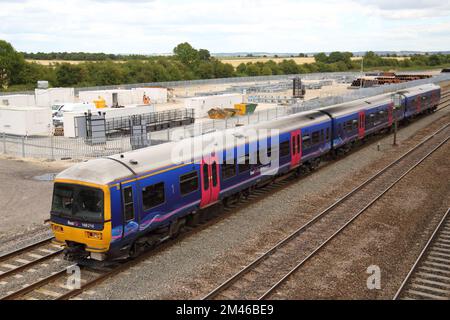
(355, 124)
(244, 164)
(189, 183)
(348, 126)
(315, 137)
(306, 141)
(322, 135)
(328, 134)
(214, 173)
(298, 144)
(73, 201)
(284, 149)
(205, 177)
(153, 196)
(228, 171)
(128, 204)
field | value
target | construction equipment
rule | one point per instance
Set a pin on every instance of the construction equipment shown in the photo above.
(219, 113)
(245, 108)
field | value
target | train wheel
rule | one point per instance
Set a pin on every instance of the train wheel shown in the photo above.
(193, 219)
(176, 227)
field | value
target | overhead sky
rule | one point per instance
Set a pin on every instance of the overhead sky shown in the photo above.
(156, 26)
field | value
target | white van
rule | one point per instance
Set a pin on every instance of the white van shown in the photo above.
(58, 111)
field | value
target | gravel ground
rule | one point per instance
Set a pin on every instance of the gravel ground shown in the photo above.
(189, 268)
(390, 235)
(24, 201)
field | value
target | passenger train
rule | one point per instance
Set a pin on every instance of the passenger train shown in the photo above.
(115, 207)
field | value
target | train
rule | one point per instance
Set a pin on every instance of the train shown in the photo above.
(119, 206)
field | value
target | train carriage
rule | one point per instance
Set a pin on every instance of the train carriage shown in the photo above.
(420, 99)
(353, 121)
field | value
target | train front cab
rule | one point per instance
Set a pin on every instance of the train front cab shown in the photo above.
(81, 218)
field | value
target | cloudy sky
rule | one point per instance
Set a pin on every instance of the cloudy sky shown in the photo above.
(156, 26)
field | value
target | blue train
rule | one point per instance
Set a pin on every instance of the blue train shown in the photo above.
(117, 206)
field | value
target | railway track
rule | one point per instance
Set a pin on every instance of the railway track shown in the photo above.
(262, 277)
(445, 100)
(24, 258)
(429, 278)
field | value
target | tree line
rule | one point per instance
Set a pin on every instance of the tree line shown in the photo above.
(186, 63)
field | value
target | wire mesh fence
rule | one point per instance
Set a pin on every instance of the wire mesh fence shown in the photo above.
(192, 83)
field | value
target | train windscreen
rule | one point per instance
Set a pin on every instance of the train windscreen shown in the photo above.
(77, 202)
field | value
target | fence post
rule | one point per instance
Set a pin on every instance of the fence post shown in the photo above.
(23, 147)
(52, 146)
(4, 142)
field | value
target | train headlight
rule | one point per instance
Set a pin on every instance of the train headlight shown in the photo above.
(57, 228)
(94, 235)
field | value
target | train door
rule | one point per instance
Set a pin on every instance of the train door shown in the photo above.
(434, 99)
(130, 216)
(209, 174)
(419, 104)
(362, 124)
(296, 148)
(391, 114)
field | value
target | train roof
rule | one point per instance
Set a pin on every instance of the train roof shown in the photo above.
(419, 89)
(347, 108)
(110, 169)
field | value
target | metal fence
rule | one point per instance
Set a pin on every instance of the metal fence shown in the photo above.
(193, 83)
(50, 147)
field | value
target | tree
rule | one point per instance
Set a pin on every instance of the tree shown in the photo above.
(434, 60)
(204, 55)
(241, 69)
(252, 70)
(266, 71)
(288, 66)
(32, 72)
(186, 53)
(11, 64)
(205, 70)
(321, 57)
(69, 74)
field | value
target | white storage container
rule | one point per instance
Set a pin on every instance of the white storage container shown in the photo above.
(49, 97)
(25, 121)
(124, 97)
(202, 105)
(17, 100)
